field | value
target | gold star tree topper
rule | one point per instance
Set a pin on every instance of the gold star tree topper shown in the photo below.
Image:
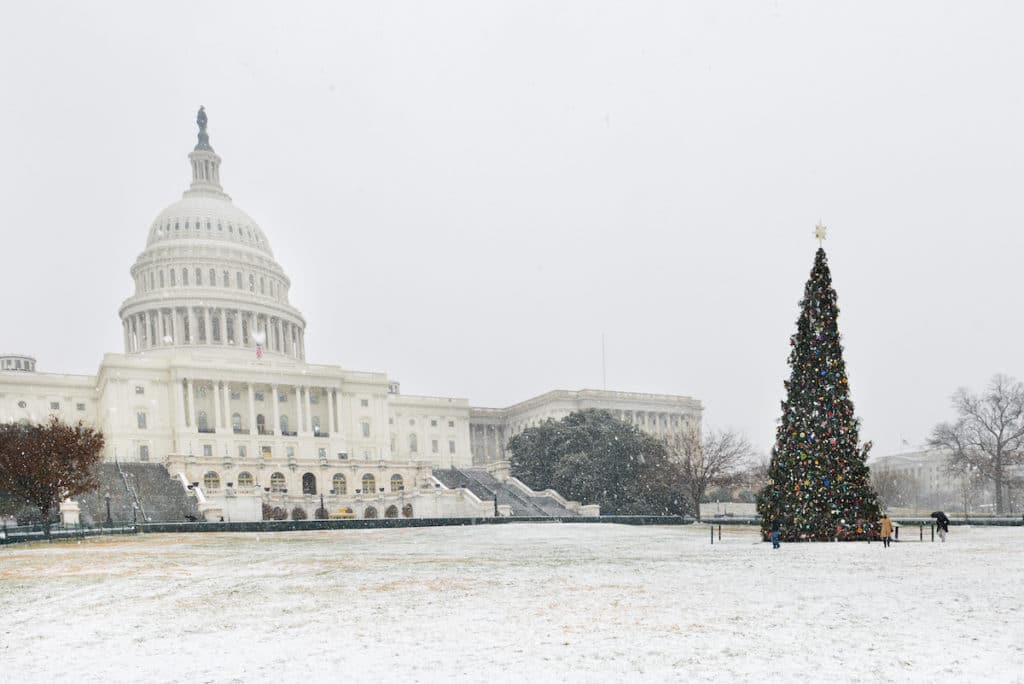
(819, 233)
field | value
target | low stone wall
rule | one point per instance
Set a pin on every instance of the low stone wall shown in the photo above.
(376, 523)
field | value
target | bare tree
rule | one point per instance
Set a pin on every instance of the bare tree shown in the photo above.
(716, 459)
(987, 439)
(44, 464)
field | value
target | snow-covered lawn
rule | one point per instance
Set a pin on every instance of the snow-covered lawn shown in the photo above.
(511, 603)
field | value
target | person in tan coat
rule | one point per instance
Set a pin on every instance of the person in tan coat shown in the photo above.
(886, 531)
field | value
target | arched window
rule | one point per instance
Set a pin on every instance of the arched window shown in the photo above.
(413, 443)
(238, 279)
(397, 484)
(244, 479)
(227, 279)
(211, 480)
(315, 422)
(369, 484)
(261, 424)
(202, 422)
(407, 511)
(236, 422)
(309, 483)
(161, 274)
(173, 277)
(252, 283)
(391, 512)
(284, 425)
(199, 277)
(277, 482)
(370, 512)
(262, 285)
(338, 485)
(213, 278)
(184, 276)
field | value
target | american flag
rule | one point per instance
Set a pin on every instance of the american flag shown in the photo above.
(259, 351)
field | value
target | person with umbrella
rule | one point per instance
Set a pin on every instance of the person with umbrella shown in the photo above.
(942, 523)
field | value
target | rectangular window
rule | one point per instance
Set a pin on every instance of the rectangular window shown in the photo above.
(54, 405)
(208, 450)
(241, 451)
(433, 446)
(266, 452)
(282, 398)
(80, 407)
(364, 402)
(139, 389)
(140, 417)
(451, 423)
(342, 455)
(314, 398)
(235, 395)
(433, 423)
(143, 452)
(451, 446)
(289, 452)
(258, 396)
(322, 452)
(366, 428)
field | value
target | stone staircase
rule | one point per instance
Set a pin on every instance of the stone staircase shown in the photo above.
(486, 488)
(139, 492)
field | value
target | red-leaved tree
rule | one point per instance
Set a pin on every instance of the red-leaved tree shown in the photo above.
(44, 464)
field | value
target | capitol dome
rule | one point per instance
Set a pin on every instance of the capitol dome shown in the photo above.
(208, 277)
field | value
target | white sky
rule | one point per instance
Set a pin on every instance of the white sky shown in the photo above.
(467, 194)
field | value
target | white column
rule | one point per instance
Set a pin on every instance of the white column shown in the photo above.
(127, 336)
(284, 337)
(239, 337)
(208, 322)
(302, 343)
(179, 401)
(227, 408)
(193, 326)
(252, 410)
(223, 326)
(216, 406)
(308, 413)
(190, 404)
(276, 428)
(300, 424)
(280, 336)
(174, 326)
(332, 426)
(253, 327)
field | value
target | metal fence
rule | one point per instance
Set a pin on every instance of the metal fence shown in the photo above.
(16, 534)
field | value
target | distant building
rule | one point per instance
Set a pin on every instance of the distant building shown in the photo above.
(655, 414)
(214, 383)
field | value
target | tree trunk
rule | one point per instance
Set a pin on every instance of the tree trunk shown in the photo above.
(46, 521)
(997, 477)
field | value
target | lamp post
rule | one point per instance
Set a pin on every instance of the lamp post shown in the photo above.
(109, 520)
(322, 511)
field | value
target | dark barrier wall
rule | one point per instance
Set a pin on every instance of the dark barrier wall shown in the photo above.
(373, 523)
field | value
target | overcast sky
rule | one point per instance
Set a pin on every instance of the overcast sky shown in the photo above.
(466, 195)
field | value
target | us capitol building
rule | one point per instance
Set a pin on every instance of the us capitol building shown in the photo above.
(214, 384)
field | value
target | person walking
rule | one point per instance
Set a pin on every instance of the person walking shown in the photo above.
(886, 531)
(942, 523)
(776, 527)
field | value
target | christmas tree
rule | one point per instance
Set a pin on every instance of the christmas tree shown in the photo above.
(818, 486)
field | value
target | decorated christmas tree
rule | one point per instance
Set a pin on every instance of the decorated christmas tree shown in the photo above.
(818, 486)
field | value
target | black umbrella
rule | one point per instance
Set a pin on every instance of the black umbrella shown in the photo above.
(940, 516)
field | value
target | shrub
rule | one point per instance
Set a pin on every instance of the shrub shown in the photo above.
(268, 512)
(299, 513)
(322, 514)
(279, 513)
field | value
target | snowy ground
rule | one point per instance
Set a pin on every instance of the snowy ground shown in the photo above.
(510, 603)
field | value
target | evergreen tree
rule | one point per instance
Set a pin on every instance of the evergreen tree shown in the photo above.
(818, 485)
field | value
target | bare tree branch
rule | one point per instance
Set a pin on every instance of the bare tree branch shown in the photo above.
(715, 459)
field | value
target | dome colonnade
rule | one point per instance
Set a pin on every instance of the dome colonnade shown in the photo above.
(208, 277)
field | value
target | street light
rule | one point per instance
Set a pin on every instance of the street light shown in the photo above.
(109, 520)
